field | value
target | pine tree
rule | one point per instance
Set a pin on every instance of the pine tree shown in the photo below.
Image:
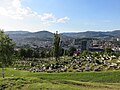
(56, 46)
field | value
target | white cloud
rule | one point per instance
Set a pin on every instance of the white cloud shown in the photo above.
(3, 11)
(63, 20)
(16, 3)
(14, 9)
(22, 16)
(47, 16)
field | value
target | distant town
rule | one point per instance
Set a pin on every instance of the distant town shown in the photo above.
(91, 41)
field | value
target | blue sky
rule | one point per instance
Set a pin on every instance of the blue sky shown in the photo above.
(61, 15)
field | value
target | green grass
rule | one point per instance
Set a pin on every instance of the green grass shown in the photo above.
(24, 80)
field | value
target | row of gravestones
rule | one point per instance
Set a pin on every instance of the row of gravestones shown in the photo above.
(75, 64)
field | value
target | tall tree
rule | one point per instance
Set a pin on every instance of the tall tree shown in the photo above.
(6, 50)
(56, 45)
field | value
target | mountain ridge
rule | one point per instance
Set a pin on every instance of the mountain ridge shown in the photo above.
(25, 37)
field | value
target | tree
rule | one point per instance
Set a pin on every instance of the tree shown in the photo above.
(56, 46)
(43, 54)
(71, 51)
(6, 50)
(36, 54)
(29, 53)
(61, 51)
(22, 53)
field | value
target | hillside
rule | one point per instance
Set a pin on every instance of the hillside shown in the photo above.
(93, 34)
(23, 80)
(25, 37)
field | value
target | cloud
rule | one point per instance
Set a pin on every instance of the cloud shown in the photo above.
(63, 20)
(14, 9)
(13, 15)
(47, 16)
(16, 3)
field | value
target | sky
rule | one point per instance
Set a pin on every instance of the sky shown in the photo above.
(60, 15)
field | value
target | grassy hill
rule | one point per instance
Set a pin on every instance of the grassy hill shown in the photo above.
(24, 80)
